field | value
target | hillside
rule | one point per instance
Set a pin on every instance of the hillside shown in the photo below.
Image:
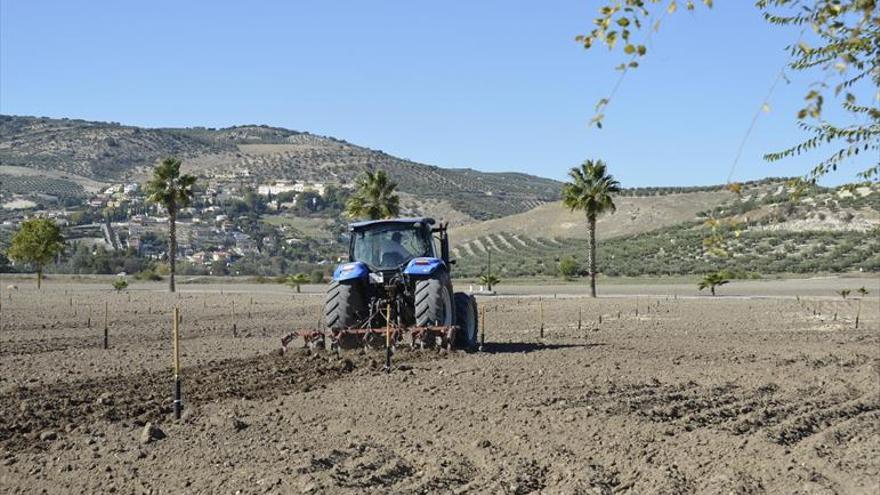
(516, 217)
(76, 151)
(764, 230)
(634, 215)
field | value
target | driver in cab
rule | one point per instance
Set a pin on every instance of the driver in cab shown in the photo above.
(393, 252)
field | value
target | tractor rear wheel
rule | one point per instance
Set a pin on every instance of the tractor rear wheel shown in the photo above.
(466, 320)
(344, 305)
(433, 302)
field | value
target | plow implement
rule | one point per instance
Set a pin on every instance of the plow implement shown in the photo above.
(440, 337)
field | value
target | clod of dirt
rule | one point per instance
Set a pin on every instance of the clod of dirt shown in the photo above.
(483, 444)
(48, 436)
(237, 424)
(151, 433)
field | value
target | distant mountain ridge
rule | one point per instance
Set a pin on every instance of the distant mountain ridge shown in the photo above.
(112, 152)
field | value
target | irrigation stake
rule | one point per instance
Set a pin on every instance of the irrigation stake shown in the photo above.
(106, 322)
(483, 328)
(320, 320)
(541, 306)
(176, 329)
(858, 313)
(579, 319)
(89, 320)
(388, 339)
(234, 324)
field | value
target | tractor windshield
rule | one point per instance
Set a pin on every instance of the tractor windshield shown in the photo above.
(389, 246)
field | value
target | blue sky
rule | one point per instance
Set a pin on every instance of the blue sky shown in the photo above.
(493, 85)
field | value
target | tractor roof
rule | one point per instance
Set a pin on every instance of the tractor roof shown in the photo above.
(370, 223)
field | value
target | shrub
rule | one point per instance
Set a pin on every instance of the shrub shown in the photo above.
(568, 268)
(148, 276)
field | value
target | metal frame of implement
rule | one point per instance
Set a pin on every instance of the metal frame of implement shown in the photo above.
(374, 336)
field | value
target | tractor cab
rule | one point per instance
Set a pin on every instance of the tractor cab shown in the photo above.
(400, 245)
(387, 245)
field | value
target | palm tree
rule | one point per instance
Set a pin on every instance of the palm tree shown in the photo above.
(590, 191)
(173, 191)
(489, 279)
(712, 280)
(374, 197)
(844, 293)
(297, 280)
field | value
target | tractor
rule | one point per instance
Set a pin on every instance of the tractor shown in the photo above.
(397, 281)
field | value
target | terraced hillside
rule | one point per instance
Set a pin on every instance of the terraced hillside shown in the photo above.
(112, 152)
(634, 215)
(639, 210)
(763, 231)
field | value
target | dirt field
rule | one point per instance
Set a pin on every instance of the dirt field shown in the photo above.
(769, 389)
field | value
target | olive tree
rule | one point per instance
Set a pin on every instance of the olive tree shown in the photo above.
(37, 243)
(839, 44)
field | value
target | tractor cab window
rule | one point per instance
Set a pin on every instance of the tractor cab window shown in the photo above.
(390, 246)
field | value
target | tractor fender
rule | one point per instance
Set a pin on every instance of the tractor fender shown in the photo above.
(350, 271)
(423, 266)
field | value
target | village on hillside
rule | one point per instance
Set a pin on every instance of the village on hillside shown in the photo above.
(234, 222)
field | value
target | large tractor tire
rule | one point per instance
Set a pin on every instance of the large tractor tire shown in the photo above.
(433, 303)
(345, 305)
(467, 321)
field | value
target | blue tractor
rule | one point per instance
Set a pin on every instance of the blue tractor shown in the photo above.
(398, 275)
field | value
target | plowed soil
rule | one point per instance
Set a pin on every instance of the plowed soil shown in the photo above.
(660, 393)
